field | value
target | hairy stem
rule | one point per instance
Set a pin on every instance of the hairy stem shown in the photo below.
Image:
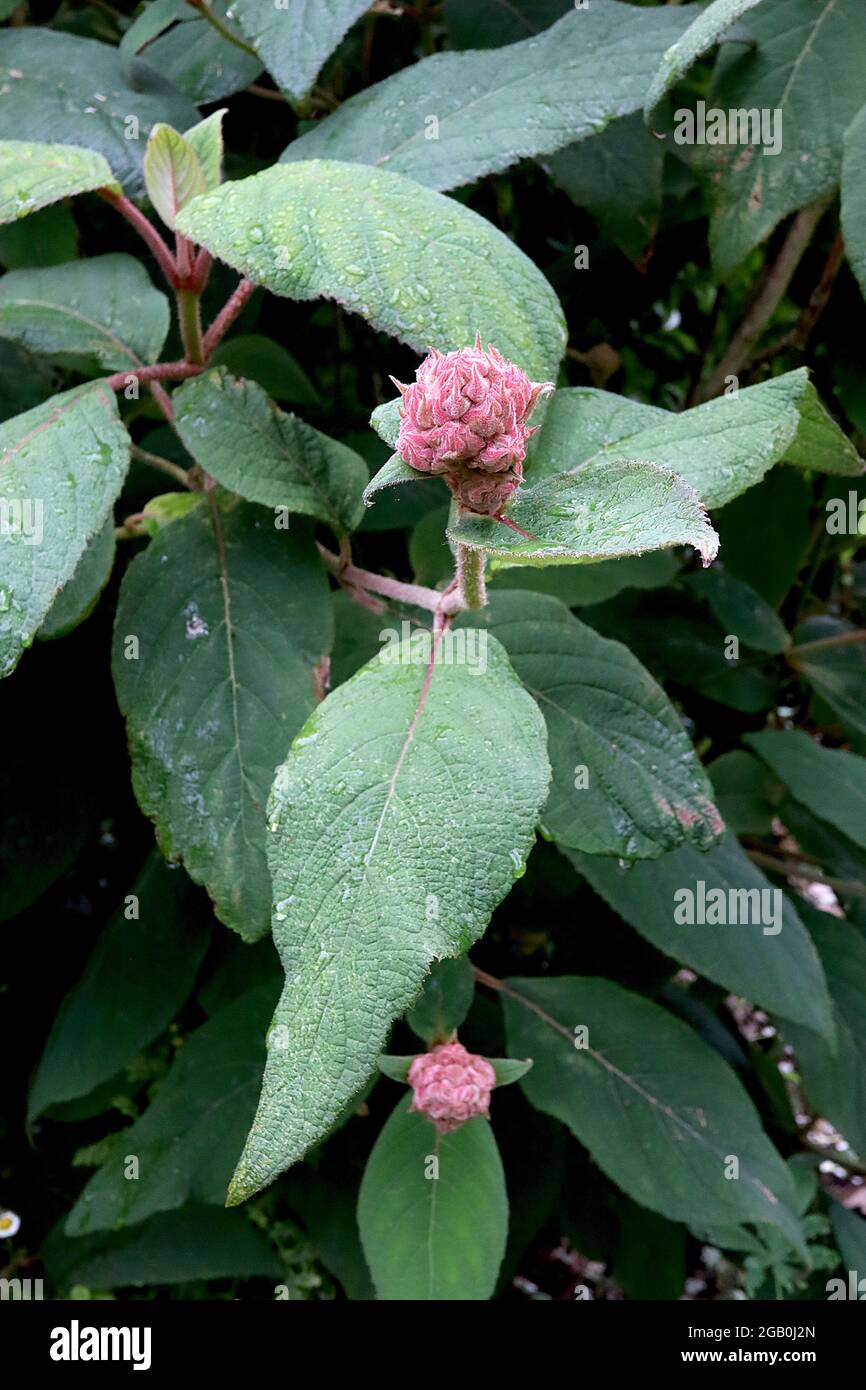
(416, 594)
(173, 470)
(227, 315)
(470, 577)
(189, 315)
(160, 371)
(146, 231)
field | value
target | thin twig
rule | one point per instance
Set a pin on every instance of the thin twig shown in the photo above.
(222, 28)
(174, 470)
(795, 868)
(146, 231)
(841, 639)
(160, 371)
(742, 346)
(267, 92)
(226, 316)
(355, 578)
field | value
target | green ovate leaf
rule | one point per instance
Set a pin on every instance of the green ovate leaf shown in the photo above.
(189, 1136)
(626, 781)
(444, 1002)
(854, 196)
(739, 609)
(191, 54)
(171, 1248)
(718, 913)
(617, 176)
(220, 627)
(703, 33)
(401, 818)
(744, 792)
(433, 1211)
(262, 360)
(660, 1112)
(137, 977)
(104, 313)
(173, 174)
(80, 594)
(293, 39)
(829, 653)
(834, 1082)
(453, 117)
(832, 783)
(601, 511)
(54, 84)
(249, 445)
(34, 175)
(391, 474)
(806, 62)
(416, 264)
(62, 465)
(721, 448)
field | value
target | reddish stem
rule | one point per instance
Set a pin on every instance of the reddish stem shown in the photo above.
(160, 371)
(146, 230)
(226, 316)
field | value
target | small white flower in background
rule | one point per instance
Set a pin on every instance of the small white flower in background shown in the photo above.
(9, 1223)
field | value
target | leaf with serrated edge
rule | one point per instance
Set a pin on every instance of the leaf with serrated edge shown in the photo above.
(599, 512)
(294, 39)
(206, 139)
(779, 970)
(416, 264)
(34, 175)
(248, 444)
(104, 310)
(401, 818)
(659, 1111)
(232, 618)
(439, 1239)
(61, 467)
(173, 174)
(392, 473)
(497, 106)
(645, 790)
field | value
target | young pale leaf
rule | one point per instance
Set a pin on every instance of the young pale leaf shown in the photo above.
(831, 782)
(755, 944)
(416, 264)
(102, 1023)
(402, 817)
(34, 175)
(600, 511)
(61, 467)
(54, 84)
(80, 594)
(206, 141)
(835, 1082)
(221, 625)
(493, 108)
(626, 780)
(104, 312)
(445, 1001)
(293, 39)
(430, 1232)
(660, 1112)
(854, 196)
(188, 1138)
(173, 174)
(806, 63)
(721, 448)
(251, 446)
(703, 33)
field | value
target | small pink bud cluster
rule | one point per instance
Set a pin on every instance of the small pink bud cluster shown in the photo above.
(451, 1085)
(465, 417)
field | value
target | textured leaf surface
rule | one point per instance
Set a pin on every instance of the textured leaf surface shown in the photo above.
(659, 1110)
(262, 360)
(232, 617)
(249, 445)
(603, 510)
(103, 1023)
(397, 825)
(497, 106)
(831, 782)
(781, 972)
(171, 1248)
(79, 595)
(807, 61)
(58, 85)
(294, 39)
(416, 264)
(854, 196)
(721, 448)
(430, 1239)
(173, 174)
(625, 777)
(34, 175)
(704, 31)
(104, 311)
(189, 1136)
(835, 1085)
(61, 467)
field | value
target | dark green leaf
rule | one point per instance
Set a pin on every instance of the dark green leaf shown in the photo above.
(445, 1001)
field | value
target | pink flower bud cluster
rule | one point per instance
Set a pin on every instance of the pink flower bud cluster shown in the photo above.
(464, 417)
(451, 1085)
